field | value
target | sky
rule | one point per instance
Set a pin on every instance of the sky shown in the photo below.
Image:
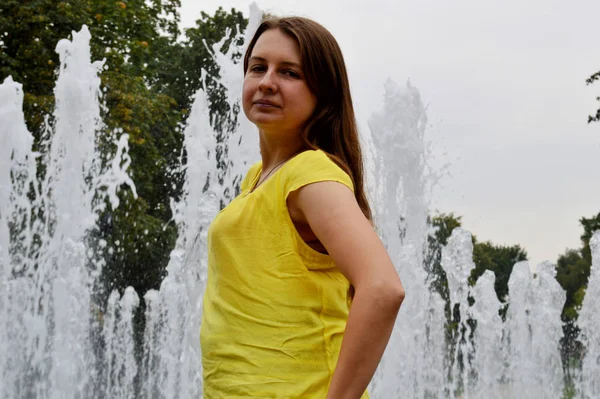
(504, 83)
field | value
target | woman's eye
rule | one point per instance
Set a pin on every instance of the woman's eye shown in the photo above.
(257, 68)
(291, 73)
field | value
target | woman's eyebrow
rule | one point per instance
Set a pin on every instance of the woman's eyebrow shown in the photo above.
(286, 63)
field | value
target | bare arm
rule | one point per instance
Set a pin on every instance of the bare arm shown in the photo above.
(334, 216)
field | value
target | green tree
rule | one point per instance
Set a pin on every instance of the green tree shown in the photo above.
(180, 79)
(572, 272)
(148, 82)
(590, 226)
(499, 259)
(486, 256)
(30, 31)
(142, 240)
(589, 81)
(443, 225)
(209, 30)
(573, 269)
(123, 32)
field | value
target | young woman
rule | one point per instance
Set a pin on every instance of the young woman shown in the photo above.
(301, 295)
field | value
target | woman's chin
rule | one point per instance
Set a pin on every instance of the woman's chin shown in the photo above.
(266, 122)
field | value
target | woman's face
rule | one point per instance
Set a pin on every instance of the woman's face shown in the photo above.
(276, 97)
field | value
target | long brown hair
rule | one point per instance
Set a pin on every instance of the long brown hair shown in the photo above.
(332, 128)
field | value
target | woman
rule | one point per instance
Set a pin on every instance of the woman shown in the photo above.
(301, 295)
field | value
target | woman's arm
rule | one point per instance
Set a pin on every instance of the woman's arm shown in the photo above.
(331, 211)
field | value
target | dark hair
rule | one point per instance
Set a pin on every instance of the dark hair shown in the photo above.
(332, 128)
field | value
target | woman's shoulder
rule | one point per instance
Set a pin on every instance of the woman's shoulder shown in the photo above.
(311, 155)
(313, 160)
(312, 166)
(250, 175)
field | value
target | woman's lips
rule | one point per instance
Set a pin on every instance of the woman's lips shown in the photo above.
(266, 104)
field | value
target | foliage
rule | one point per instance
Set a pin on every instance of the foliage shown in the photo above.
(443, 226)
(151, 72)
(572, 272)
(122, 32)
(589, 81)
(486, 256)
(180, 79)
(590, 225)
(500, 260)
(573, 269)
(210, 30)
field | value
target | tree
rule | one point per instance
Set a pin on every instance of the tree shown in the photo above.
(486, 256)
(443, 225)
(589, 81)
(572, 273)
(573, 269)
(181, 79)
(590, 225)
(148, 82)
(30, 31)
(122, 32)
(142, 239)
(499, 259)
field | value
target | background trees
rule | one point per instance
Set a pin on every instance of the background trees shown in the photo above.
(572, 273)
(152, 69)
(487, 256)
(590, 80)
(573, 268)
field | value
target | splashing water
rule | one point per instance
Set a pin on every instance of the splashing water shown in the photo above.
(400, 205)
(457, 261)
(53, 346)
(532, 331)
(47, 272)
(590, 326)
(486, 367)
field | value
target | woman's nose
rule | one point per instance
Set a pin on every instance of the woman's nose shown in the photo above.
(268, 82)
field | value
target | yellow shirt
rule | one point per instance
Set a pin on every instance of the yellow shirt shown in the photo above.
(274, 309)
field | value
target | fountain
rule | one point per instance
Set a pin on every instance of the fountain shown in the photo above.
(590, 385)
(47, 273)
(400, 204)
(53, 345)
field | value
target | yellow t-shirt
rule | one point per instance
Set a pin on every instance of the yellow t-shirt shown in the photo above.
(274, 309)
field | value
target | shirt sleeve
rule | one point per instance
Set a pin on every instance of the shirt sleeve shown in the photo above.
(250, 176)
(313, 166)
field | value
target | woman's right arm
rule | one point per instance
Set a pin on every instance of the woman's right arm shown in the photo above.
(334, 216)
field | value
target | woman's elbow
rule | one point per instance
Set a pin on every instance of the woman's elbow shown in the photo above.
(397, 295)
(383, 291)
(390, 295)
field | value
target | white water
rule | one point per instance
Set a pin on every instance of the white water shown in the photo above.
(397, 153)
(48, 273)
(590, 326)
(54, 346)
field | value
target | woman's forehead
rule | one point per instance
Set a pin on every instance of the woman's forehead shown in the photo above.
(274, 45)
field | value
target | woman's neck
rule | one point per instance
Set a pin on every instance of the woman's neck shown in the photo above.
(275, 150)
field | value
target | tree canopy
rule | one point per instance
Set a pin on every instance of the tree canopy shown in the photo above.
(573, 268)
(152, 69)
(487, 256)
(589, 81)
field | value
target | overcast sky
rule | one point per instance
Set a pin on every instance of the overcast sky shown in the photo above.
(505, 85)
